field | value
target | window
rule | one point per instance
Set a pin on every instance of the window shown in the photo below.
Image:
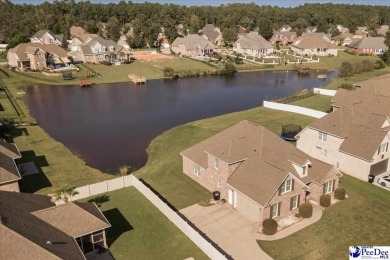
(304, 170)
(216, 163)
(322, 136)
(328, 187)
(294, 202)
(196, 170)
(383, 148)
(286, 186)
(219, 182)
(325, 153)
(275, 210)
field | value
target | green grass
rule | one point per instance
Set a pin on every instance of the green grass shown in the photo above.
(163, 170)
(362, 219)
(140, 231)
(316, 102)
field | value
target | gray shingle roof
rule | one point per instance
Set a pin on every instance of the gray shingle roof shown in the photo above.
(254, 41)
(191, 41)
(369, 43)
(8, 170)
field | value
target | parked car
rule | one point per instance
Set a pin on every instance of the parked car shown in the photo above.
(384, 181)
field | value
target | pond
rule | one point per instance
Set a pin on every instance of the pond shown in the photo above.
(110, 125)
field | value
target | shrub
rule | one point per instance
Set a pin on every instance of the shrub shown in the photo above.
(306, 210)
(363, 54)
(339, 193)
(367, 66)
(346, 70)
(297, 215)
(325, 200)
(347, 86)
(106, 62)
(379, 64)
(270, 226)
(168, 72)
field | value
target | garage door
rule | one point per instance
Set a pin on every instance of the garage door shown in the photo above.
(379, 167)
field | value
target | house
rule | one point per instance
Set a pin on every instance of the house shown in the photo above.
(283, 38)
(123, 42)
(9, 173)
(355, 136)
(341, 29)
(37, 56)
(343, 39)
(99, 50)
(258, 173)
(48, 37)
(212, 33)
(311, 29)
(314, 44)
(361, 32)
(253, 44)
(80, 40)
(382, 30)
(193, 45)
(33, 227)
(241, 29)
(368, 45)
(76, 31)
(285, 28)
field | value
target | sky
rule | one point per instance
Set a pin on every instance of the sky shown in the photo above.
(281, 3)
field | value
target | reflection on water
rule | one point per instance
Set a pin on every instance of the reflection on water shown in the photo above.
(110, 125)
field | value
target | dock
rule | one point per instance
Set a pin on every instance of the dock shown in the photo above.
(86, 83)
(137, 79)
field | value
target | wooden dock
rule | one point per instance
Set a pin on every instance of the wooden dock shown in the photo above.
(86, 83)
(137, 79)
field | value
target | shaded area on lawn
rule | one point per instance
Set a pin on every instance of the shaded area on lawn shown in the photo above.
(119, 225)
(362, 219)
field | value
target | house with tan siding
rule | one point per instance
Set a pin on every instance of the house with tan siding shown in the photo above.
(258, 173)
(213, 34)
(318, 44)
(253, 44)
(9, 172)
(355, 136)
(48, 37)
(193, 45)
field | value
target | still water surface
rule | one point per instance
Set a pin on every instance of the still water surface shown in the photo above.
(110, 125)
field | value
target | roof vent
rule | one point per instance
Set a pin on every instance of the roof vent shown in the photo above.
(48, 242)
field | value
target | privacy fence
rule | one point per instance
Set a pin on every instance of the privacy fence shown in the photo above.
(294, 109)
(210, 248)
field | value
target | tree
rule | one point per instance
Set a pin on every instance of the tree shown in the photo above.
(16, 40)
(195, 25)
(113, 29)
(346, 70)
(64, 193)
(387, 39)
(229, 35)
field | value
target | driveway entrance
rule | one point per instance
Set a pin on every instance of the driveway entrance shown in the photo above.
(233, 232)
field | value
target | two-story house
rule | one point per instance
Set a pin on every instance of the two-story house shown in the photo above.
(212, 33)
(284, 38)
(257, 172)
(253, 44)
(355, 136)
(48, 37)
(98, 50)
(193, 45)
(9, 172)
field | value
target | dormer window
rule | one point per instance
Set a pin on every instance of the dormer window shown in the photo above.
(112, 48)
(304, 170)
(216, 163)
(286, 186)
(322, 136)
(383, 148)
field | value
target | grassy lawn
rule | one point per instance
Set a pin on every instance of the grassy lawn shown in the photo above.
(317, 102)
(163, 170)
(362, 219)
(140, 231)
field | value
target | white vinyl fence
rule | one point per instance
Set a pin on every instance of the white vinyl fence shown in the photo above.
(130, 180)
(326, 92)
(294, 109)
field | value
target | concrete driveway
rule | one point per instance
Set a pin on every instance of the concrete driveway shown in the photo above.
(376, 180)
(233, 232)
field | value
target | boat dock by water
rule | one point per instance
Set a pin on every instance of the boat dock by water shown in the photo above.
(137, 79)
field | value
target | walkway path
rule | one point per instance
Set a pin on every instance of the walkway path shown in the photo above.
(317, 214)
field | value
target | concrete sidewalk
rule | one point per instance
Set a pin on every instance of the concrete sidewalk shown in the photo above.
(317, 214)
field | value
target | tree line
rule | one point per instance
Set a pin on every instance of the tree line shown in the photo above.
(146, 19)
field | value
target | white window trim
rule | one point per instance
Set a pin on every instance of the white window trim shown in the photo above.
(323, 137)
(276, 205)
(296, 202)
(284, 187)
(328, 187)
(304, 170)
(216, 163)
(219, 182)
(196, 170)
(383, 148)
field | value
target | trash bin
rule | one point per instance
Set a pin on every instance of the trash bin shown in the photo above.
(371, 178)
(216, 195)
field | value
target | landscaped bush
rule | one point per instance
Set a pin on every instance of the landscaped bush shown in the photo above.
(346, 70)
(270, 226)
(325, 200)
(379, 64)
(106, 62)
(363, 54)
(339, 193)
(347, 86)
(367, 66)
(306, 210)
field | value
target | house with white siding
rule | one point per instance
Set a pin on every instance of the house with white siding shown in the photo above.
(253, 44)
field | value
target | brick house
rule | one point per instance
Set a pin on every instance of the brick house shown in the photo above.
(257, 172)
(368, 45)
(355, 136)
(33, 227)
(9, 173)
